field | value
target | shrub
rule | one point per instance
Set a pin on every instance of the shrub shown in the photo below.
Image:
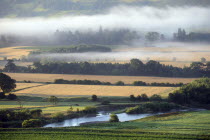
(139, 83)
(155, 97)
(144, 97)
(32, 123)
(134, 110)
(113, 118)
(58, 116)
(11, 96)
(132, 98)
(2, 95)
(36, 113)
(22, 114)
(94, 98)
(90, 110)
(120, 83)
(151, 107)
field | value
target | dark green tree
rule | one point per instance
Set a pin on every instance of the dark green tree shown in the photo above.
(132, 98)
(7, 84)
(94, 98)
(144, 97)
(113, 118)
(53, 100)
(10, 66)
(11, 96)
(155, 97)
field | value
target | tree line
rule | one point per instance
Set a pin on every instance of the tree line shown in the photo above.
(181, 35)
(134, 68)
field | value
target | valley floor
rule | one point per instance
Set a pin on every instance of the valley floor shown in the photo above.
(185, 125)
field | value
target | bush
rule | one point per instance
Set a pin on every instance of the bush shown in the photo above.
(113, 118)
(32, 123)
(139, 83)
(155, 97)
(90, 110)
(2, 95)
(134, 110)
(132, 98)
(11, 96)
(94, 98)
(22, 114)
(120, 83)
(36, 113)
(144, 97)
(58, 117)
(151, 107)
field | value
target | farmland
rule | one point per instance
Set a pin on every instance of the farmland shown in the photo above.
(126, 79)
(14, 52)
(68, 90)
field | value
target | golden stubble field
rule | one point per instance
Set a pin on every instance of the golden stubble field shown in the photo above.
(69, 90)
(14, 52)
(35, 77)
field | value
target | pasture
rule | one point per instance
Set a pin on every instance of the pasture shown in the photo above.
(112, 79)
(99, 90)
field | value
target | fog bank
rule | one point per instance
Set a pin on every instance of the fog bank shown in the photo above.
(164, 20)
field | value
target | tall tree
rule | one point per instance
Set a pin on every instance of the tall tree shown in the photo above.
(10, 66)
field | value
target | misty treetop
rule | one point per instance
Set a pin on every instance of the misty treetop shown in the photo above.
(134, 68)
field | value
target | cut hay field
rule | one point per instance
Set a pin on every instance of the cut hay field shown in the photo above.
(14, 52)
(126, 79)
(69, 90)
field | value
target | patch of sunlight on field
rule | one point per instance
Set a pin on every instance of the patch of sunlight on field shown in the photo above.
(17, 106)
(126, 79)
(65, 90)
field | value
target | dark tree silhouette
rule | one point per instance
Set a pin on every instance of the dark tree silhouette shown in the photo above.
(94, 98)
(7, 84)
(10, 66)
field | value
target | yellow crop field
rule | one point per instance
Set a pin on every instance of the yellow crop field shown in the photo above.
(126, 79)
(67, 90)
(14, 52)
(20, 86)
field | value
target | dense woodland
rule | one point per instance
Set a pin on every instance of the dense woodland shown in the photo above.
(101, 36)
(134, 68)
(182, 36)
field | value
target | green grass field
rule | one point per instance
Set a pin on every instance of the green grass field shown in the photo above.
(197, 123)
(47, 108)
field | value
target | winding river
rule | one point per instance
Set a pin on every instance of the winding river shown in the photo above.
(104, 116)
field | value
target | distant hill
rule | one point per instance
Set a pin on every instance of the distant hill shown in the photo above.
(32, 8)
